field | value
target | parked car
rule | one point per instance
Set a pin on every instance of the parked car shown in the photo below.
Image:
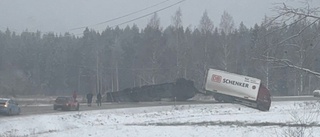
(316, 93)
(66, 103)
(9, 107)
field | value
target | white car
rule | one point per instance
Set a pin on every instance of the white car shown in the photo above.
(9, 107)
(316, 93)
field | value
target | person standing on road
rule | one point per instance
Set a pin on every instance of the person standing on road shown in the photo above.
(89, 98)
(99, 97)
(74, 95)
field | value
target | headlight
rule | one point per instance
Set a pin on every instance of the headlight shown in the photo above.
(6, 105)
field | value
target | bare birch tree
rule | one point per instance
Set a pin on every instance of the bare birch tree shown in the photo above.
(226, 28)
(293, 16)
(298, 43)
(206, 28)
(177, 27)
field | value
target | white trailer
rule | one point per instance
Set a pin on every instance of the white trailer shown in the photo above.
(231, 87)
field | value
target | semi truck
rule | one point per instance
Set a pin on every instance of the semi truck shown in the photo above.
(235, 88)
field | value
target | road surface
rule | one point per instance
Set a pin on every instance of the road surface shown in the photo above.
(48, 108)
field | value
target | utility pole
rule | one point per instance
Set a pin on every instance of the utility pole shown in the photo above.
(79, 76)
(117, 76)
(98, 73)
(112, 88)
(268, 70)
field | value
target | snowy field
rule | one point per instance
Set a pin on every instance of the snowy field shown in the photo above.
(208, 120)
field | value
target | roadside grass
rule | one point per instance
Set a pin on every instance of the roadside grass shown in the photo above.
(305, 119)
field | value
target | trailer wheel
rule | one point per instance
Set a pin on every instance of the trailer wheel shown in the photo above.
(223, 98)
(218, 98)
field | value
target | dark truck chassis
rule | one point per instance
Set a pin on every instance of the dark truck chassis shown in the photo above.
(181, 90)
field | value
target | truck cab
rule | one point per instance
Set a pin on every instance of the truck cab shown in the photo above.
(263, 99)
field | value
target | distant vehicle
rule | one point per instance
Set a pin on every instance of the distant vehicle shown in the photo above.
(235, 88)
(9, 107)
(66, 103)
(316, 93)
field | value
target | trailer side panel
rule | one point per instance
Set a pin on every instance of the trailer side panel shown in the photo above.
(232, 84)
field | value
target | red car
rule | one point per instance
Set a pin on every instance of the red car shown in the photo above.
(66, 103)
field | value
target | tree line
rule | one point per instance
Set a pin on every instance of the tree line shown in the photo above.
(118, 58)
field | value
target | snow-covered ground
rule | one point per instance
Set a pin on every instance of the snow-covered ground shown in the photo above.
(202, 120)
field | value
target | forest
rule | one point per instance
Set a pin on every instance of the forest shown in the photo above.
(282, 54)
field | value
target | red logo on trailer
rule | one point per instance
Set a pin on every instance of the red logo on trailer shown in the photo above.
(216, 78)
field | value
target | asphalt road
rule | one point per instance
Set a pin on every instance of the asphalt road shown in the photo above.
(294, 98)
(48, 108)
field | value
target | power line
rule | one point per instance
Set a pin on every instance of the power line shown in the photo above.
(126, 15)
(147, 14)
(150, 13)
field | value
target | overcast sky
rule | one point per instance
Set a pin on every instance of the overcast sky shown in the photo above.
(61, 16)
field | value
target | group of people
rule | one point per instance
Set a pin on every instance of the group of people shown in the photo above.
(89, 98)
